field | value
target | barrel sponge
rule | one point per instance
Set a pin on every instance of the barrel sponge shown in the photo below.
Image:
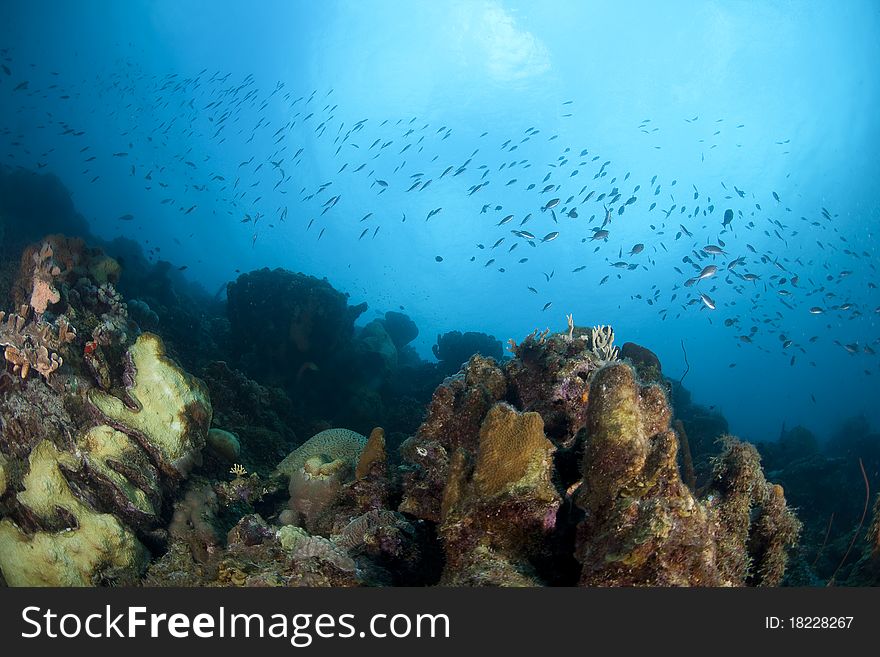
(513, 454)
(172, 410)
(98, 550)
(331, 445)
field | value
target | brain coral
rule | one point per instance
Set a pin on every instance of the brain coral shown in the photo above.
(318, 469)
(337, 444)
(172, 411)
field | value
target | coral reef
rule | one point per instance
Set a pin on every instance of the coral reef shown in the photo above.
(644, 360)
(172, 411)
(643, 526)
(224, 443)
(602, 344)
(263, 418)
(703, 425)
(455, 348)
(499, 504)
(454, 418)
(194, 520)
(867, 571)
(754, 513)
(43, 292)
(825, 482)
(282, 322)
(34, 344)
(377, 352)
(119, 475)
(329, 445)
(555, 465)
(82, 547)
(637, 522)
(400, 328)
(318, 469)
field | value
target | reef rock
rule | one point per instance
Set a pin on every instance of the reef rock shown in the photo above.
(284, 322)
(643, 360)
(262, 418)
(455, 348)
(454, 418)
(401, 328)
(643, 526)
(224, 444)
(377, 353)
(550, 375)
(499, 504)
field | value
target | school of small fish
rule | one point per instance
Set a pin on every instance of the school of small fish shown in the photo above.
(734, 251)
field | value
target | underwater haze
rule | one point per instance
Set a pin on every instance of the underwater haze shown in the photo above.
(702, 176)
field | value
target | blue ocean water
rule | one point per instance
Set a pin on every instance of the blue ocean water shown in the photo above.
(254, 116)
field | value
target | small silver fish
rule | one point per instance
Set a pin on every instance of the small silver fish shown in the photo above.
(707, 272)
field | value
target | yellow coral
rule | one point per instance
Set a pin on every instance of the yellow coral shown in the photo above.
(513, 453)
(321, 467)
(173, 411)
(289, 536)
(99, 548)
(104, 445)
